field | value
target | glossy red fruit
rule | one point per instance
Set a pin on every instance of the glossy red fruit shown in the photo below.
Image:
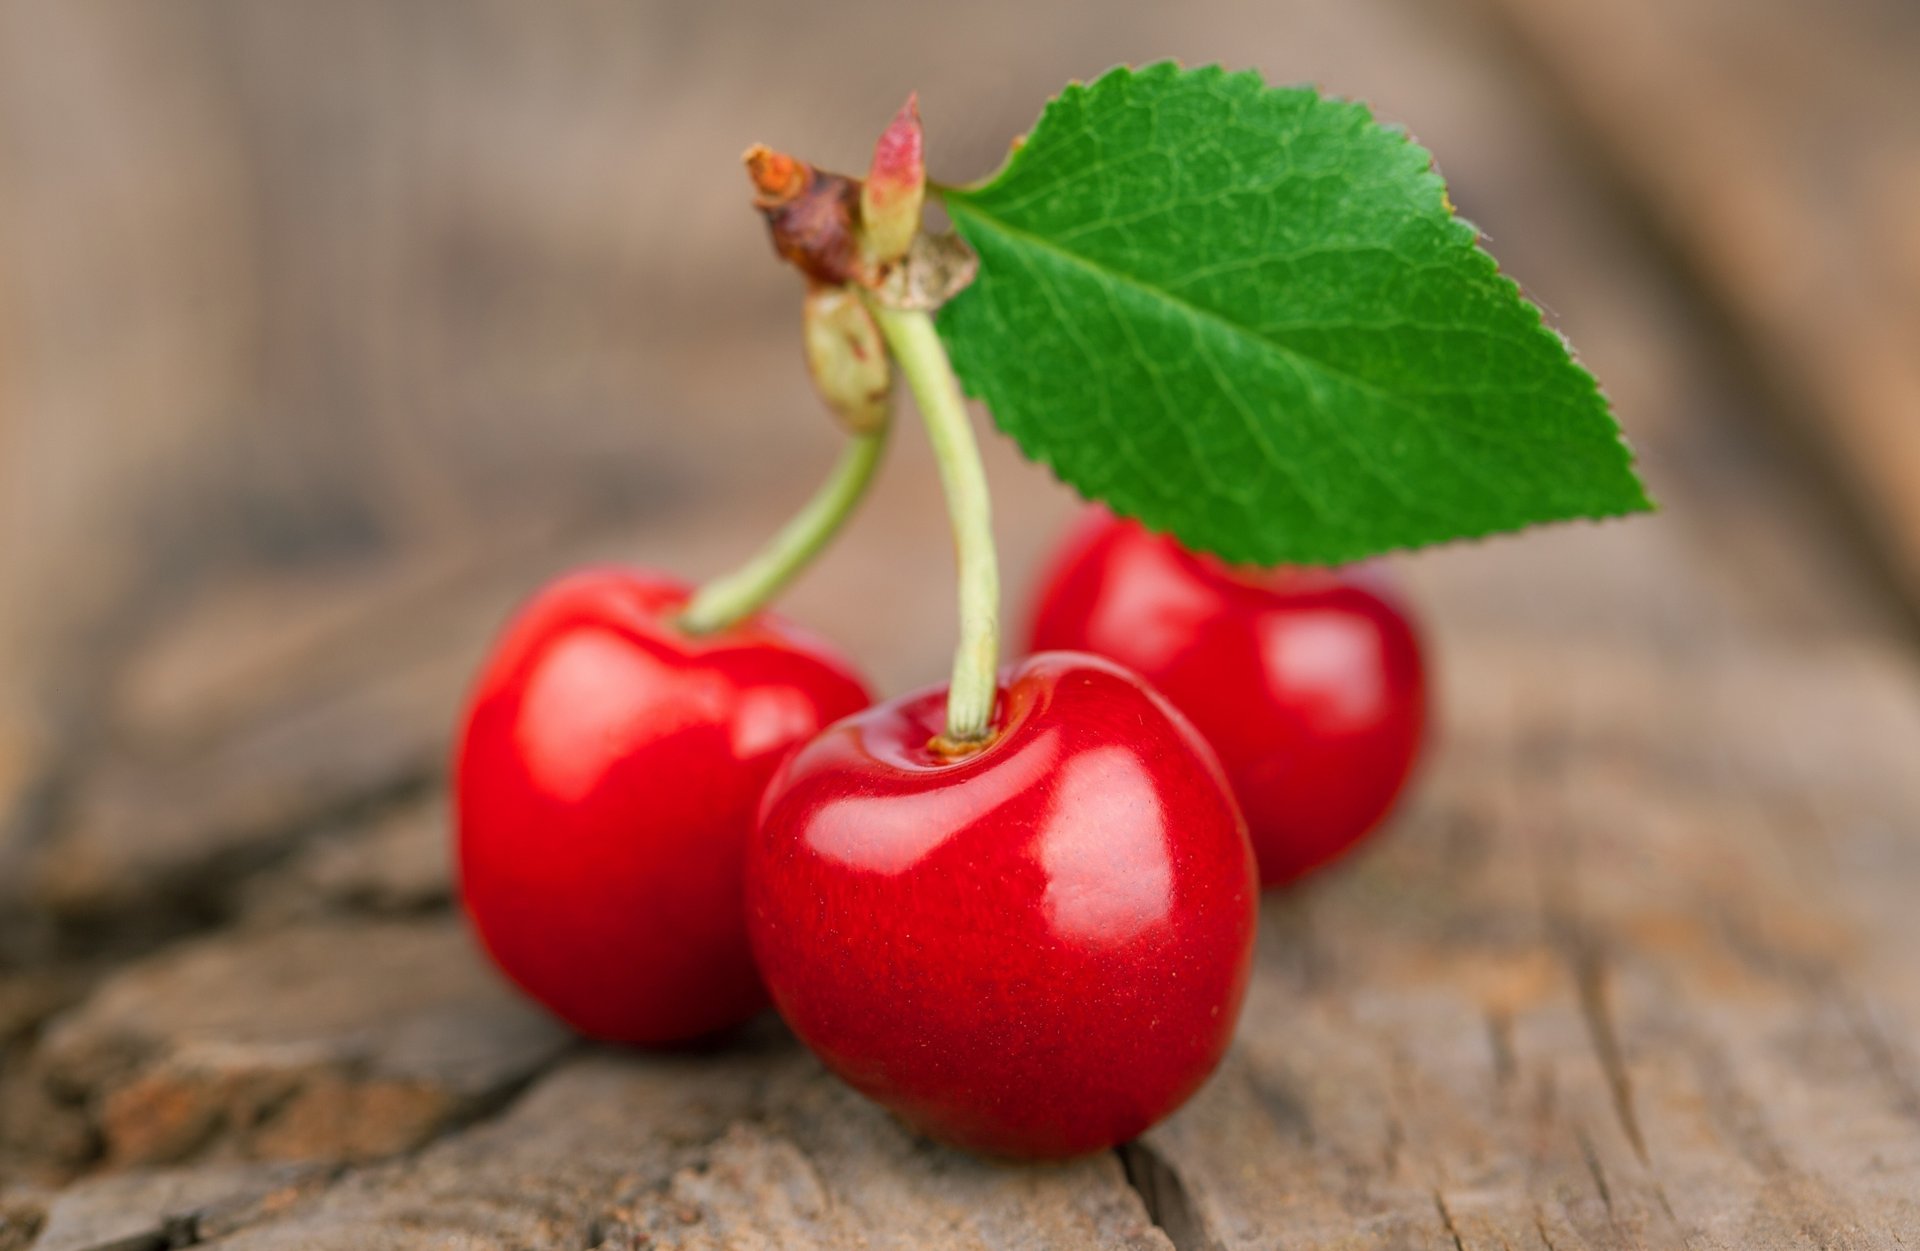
(1308, 683)
(1037, 950)
(608, 774)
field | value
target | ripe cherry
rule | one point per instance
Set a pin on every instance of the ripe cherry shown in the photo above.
(608, 773)
(1308, 683)
(1037, 949)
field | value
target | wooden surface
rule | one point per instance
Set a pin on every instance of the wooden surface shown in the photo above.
(1774, 145)
(326, 333)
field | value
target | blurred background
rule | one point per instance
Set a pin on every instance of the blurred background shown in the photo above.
(308, 313)
(327, 332)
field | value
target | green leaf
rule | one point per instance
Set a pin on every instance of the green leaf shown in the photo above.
(1249, 316)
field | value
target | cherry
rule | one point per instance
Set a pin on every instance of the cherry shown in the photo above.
(1035, 949)
(608, 773)
(1308, 683)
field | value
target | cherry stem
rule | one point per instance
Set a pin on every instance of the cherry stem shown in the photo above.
(735, 596)
(916, 347)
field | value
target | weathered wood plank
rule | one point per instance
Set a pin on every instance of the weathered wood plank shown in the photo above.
(170, 1208)
(313, 1042)
(740, 1149)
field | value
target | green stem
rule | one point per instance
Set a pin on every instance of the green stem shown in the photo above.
(737, 595)
(916, 347)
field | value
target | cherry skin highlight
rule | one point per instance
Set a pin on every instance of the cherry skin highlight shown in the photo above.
(1308, 683)
(1038, 949)
(608, 772)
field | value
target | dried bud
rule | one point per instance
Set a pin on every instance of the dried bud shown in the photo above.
(776, 176)
(935, 269)
(809, 213)
(895, 189)
(847, 359)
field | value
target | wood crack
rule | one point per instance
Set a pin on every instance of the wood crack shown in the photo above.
(1164, 1195)
(1595, 1171)
(1540, 1226)
(1506, 1065)
(1596, 1012)
(1446, 1219)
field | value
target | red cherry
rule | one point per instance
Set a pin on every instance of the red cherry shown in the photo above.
(608, 774)
(1308, 683)
(1038, 949)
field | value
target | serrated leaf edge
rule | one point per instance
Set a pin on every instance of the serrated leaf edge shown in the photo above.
(1468, 234)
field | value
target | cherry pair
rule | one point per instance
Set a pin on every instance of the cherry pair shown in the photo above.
(1035, 947)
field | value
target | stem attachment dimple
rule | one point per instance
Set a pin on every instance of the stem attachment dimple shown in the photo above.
(917, 350)
(737, 595)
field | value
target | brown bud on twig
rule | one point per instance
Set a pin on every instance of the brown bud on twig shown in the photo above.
(895, 189)
(777, 177)
(847, 359)
(811, 214)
